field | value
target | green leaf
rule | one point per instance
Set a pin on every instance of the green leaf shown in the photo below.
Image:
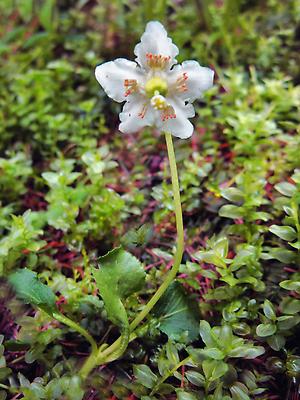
(145, 376)
(239, 391)
(210, 257)
(231, 211)
(205, 333)
(172, 353)
(181, 395)
(32, 291)
(233, 194)
(119, 275)
(286, 322)
(177, 314)
(263, 330)
(280, 254)
(269, 310)
(296, 245)
(213, 352)
(46, 14)
(290, 285)
(284, 232)
(139, 237)
(276, 342)
(286, 188)
(221, 246)
(247, 351)
(195, 378)
(214, 369)
(290, 305)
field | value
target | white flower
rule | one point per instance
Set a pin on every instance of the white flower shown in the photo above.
(157, 92)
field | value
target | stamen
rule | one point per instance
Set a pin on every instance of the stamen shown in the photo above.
(181, 85)
(168, 113)
(157, 61)
(131, 86)
(143, 111)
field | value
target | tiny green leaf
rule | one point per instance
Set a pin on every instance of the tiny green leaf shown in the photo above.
(276, 342)
(195, 378)
(145, 376)
(213, 352)
(205, 333)
(269, 310)
(247, 351)
(231, 211)
(290, 285)
(239, 391)
(182, 395)
(286, 188)
(290, 305)
(263, 330)
(32, 291)
(233, 194)
(214, 369)
(284, 232)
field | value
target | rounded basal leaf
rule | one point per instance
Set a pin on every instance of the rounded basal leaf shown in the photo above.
(32, 291)
(177, 314)
(119, 274)
(125, 270)
(284, 232)
(263, 330)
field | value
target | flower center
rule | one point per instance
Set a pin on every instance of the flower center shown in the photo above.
(156, 85)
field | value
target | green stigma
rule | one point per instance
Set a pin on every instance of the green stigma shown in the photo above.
(155, 85)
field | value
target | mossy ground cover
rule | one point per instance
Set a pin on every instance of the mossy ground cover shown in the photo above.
(72, 188)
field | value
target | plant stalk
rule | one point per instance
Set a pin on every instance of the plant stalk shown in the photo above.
(104, 356)
(67, 321)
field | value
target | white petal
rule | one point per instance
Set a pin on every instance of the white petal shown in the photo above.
(155, 40)
(130, 117)
(198, 79)
(180, 126)
(111, 76)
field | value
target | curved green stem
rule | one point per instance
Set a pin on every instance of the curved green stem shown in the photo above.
(104, 356)
(67, 321)
(124, 340)
(180, 237)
